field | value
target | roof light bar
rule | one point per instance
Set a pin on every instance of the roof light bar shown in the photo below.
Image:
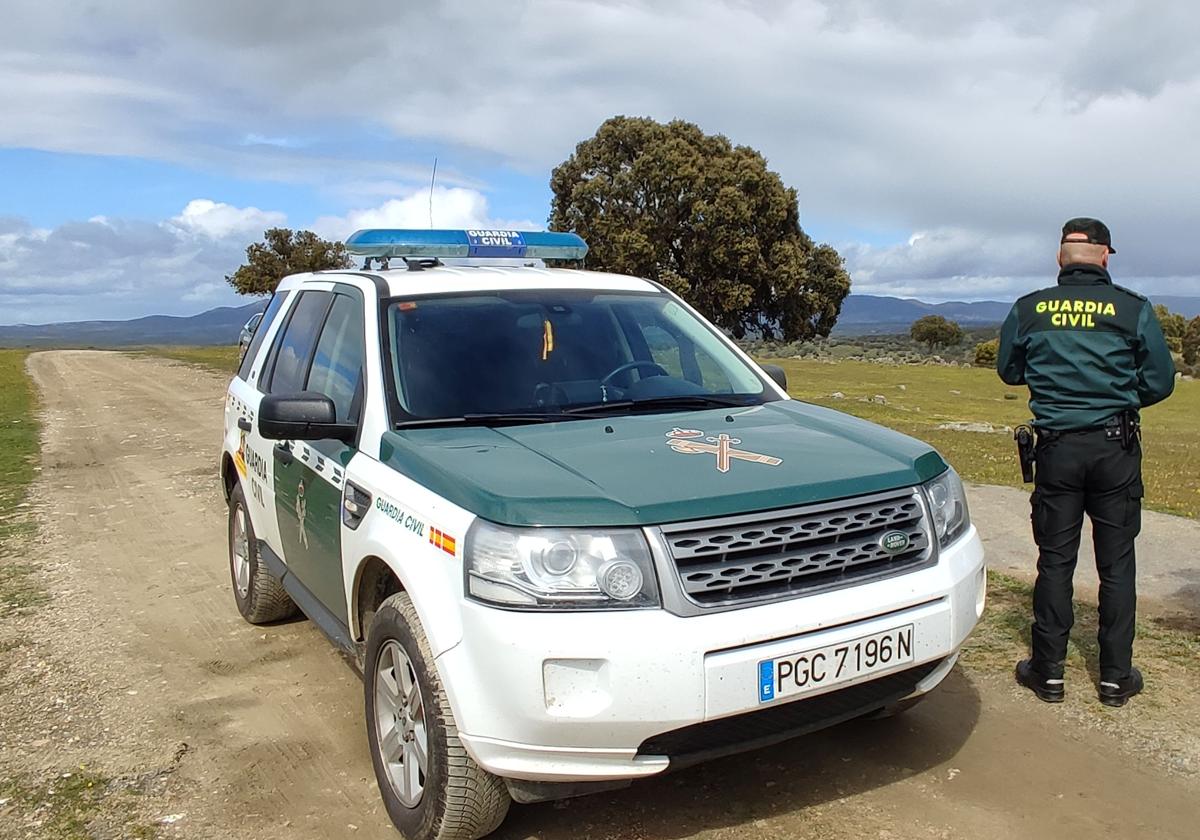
(385, 242)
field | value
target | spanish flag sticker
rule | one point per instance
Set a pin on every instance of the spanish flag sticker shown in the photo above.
(443, 541)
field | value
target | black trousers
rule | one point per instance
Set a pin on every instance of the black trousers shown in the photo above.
(1077, 473)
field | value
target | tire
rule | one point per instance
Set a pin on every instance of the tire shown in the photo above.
(449, 797)
(260, 597)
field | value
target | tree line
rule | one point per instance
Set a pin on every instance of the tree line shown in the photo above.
(1182, 335)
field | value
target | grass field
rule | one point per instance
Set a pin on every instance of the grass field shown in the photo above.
(921, 400)
(1167, 650)
(18, 451)
(222, 359)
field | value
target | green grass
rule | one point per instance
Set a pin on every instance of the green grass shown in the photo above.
(1171, 439)
(220, 359)
(1168, 647)
(18, 452)
(67, 807)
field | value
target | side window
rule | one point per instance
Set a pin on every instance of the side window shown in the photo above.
(293, 349)
(337, 365)
(260, 333)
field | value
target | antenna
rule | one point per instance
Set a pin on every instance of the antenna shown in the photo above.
(432, 178)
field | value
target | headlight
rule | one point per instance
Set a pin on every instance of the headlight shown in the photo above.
(948, 504)
(558, 568)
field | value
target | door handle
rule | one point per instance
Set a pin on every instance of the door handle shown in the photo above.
(245, 425)
(283, 454)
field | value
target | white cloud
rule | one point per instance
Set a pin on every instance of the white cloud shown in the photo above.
(280, 142)
(960, 264)
(217, 220)
(122, 268)
(983, 125)
(448, 207)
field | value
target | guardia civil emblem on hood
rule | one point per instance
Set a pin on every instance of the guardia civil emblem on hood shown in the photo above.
(687, 442)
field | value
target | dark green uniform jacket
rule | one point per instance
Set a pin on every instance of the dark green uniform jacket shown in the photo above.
(1087, 349)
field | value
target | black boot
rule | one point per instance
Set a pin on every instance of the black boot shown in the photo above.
(1118, 693)
(1050, 691)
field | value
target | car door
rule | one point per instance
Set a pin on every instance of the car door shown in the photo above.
(310, 477)
(251, 452)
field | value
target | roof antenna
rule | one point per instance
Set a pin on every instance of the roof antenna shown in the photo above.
(432, 178)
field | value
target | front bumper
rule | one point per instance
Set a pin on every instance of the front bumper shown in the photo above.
(590, 697)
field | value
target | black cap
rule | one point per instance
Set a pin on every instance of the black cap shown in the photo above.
(1095, 230)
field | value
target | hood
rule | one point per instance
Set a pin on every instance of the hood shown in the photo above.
(651, 469)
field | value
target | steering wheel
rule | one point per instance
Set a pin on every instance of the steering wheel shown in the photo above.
(615, 372)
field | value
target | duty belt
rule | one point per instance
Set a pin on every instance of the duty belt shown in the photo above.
(1123, 428)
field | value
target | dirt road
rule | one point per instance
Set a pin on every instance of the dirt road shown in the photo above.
(140, 671)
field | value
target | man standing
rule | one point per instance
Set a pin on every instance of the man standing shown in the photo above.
(1092, 354)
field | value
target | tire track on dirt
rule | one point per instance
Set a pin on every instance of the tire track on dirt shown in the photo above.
(130, 498)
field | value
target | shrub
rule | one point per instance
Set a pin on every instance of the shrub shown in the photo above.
(985, 353)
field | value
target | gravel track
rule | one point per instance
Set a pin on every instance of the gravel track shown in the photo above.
(141, 670)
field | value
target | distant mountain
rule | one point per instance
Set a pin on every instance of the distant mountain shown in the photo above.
(877, 311)
(861, 315)
(872, 314)
(216, 326)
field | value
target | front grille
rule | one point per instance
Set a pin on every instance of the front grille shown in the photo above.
(787, 553)
(752, 730)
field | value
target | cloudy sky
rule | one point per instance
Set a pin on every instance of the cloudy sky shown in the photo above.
(939, 145)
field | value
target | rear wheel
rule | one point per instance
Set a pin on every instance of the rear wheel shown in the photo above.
(260, 597)
(431, 788)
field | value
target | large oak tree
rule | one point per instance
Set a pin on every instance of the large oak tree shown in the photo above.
(935, 331)
(704, 218)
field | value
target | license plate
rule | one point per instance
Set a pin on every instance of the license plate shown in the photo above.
(820, 668)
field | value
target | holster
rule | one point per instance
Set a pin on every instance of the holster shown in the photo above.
(1026, 452)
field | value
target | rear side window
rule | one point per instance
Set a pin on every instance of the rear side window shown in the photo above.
(265, 320)
(293, 349)
(337, 365)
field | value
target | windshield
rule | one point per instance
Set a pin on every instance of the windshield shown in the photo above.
(546, 352)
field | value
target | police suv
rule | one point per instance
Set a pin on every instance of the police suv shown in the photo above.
(571, 533)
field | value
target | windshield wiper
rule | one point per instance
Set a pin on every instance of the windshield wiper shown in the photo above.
(678, 401)
(487, 419)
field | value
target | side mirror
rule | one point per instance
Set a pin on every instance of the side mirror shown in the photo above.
(303, 416)
(776, 373)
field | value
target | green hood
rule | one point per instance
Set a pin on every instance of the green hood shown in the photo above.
(578, 473)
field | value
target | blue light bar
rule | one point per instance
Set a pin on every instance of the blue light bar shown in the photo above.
(541, 244)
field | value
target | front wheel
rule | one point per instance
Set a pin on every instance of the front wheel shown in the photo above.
(431, 788)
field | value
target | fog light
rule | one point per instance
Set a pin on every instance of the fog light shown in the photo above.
(621, 579)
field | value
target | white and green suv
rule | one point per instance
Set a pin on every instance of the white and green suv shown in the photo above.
(571, 533)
